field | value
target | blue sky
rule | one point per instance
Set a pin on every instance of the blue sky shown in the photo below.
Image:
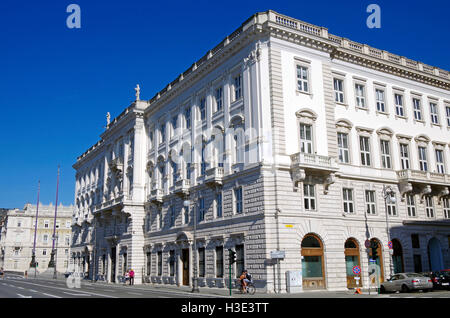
(56, 84)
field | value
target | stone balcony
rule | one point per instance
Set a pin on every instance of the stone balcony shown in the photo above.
(423, 182)
(214, 175)
(306, 163)
(182, 186)
(155, 195)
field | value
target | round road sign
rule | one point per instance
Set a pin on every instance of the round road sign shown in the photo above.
(390, 245)
(356, 270)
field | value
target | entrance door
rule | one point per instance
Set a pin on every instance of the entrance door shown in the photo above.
(379, 258)
(312, 263)
(185, 260)
(351, 260)
(397, 256)
(435, 255)
(113, 264)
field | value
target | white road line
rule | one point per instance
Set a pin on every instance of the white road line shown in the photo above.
(32, 290)
(134, 293)
(76, 294)
(51, 295)
(22, 296)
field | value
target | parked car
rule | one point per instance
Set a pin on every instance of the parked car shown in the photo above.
(406, 282)
(441, 279)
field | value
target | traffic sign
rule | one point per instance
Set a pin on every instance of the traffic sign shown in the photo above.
(390, 245)
(277, 254)
(356, 270)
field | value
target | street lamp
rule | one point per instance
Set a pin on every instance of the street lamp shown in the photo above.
(187, 204)
(389, 196)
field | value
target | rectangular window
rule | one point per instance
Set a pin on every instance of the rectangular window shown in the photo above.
(447, 112)
(411, 205)
(219, 262)
(338, 90)
(172, 216)
(404, 156)
(434, 113)
(186, 215)
(364, 147)
(149, 263)
(415, 241)
(306, 138)
(302, 78)
(446, 205)
(343, 148)
(201, 262)
(160, 263)
(150, 140)
(219, 205)
(201, 209)
(44, 252)
(238, 200)
(187, 117)
(45, 238)
(348, 200)
(380, 100)
(219, 99)
(174, 125)
(370, 202)
(440, 161)
(360, 95)
(309, 197)
(237, 87)
(163, 133)
(399, 110)
(240, 259)
(417, 263)
(385, 154)
(202, 109)
(417, 109)
(429, 208)
(423, 159)
(391, 207)
(172, 263)
(46, 224)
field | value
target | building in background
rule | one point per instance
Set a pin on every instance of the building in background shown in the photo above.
(17, 237)
(282, 137)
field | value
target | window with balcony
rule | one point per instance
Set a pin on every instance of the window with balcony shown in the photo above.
(423, 164)
(380, 100)
(429, 207)
(364, 147)
(440, 166)
(411, 205)
(385, 154)
(399, 109)
(348, 200)
(360, 93)
(417, 109)
(306, 144)
(237, 87)
(404, 156)
(370, 202)
(434, 113)
(302, 78)
(344, 153)
(338, 90)
(309, 197)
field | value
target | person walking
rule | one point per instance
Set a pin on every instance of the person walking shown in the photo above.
(131, 277)
(26, 274)
(127, 277)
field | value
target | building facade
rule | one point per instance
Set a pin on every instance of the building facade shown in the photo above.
(18, 235)
(282, 138)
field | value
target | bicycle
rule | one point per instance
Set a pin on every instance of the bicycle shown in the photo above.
(249, 289)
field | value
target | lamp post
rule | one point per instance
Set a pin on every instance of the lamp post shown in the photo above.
(187, 204)
(33, 255)
(389, 195)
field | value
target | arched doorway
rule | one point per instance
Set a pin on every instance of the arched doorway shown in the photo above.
(351, 259)
(379, 257)
(312, 262)
(435, 255)
(397, 256)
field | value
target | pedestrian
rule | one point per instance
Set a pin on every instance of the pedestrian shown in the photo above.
(2, 273)
(127, 277)
(131, 277)
(26, 274)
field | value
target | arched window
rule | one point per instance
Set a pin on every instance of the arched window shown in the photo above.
(312, 262)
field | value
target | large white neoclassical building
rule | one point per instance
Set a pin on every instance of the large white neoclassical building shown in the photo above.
(282, 137)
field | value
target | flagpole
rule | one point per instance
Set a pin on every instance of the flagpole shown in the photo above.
(52, 262)
(33, 256)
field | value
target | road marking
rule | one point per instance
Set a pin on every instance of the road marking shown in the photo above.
(22, 296)
(51, 295)
(134, 293)
(76, 294)
(32, 290)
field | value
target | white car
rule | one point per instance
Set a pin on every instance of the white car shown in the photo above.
(406, 282)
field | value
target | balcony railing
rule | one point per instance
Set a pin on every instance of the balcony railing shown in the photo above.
(418, 176)
(313, 161)
(214, 175)
(182, 186)
(155, 195)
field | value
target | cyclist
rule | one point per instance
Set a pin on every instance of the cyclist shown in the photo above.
(243, 279)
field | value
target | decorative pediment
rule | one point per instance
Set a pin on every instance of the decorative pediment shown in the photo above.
(343, 126)
(364, 131)
(422, 140)
(403, 138)
(306, 116)
(385, 133)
